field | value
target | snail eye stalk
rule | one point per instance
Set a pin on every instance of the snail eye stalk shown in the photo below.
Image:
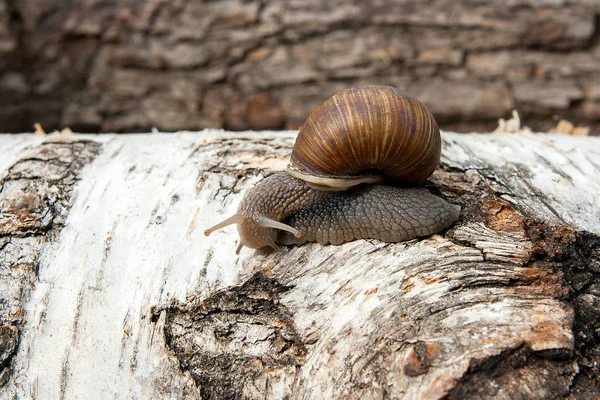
(234, 219)
(265, 222)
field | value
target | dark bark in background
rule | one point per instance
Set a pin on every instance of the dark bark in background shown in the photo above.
(126, 65)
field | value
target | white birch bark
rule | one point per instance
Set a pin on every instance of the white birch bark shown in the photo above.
(124, 297)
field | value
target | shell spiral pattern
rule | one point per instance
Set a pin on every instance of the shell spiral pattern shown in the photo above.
(367, 134)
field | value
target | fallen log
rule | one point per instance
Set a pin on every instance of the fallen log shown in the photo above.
(111, 290)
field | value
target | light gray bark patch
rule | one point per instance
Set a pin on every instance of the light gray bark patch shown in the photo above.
(238, 342)
(35, 197)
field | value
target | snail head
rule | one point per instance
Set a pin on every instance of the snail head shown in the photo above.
(255, 232)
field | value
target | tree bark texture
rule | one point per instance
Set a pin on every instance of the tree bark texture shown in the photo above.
(112, 65)
(111, 290)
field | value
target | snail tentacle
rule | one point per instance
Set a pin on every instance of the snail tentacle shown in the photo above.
(271, 243)
(234, 219)
(239, 248)
(265, 222)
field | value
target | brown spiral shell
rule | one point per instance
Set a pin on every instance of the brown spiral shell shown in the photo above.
(366, 134)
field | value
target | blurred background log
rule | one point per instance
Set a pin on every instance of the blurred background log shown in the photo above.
(114, 65)
(110, 289)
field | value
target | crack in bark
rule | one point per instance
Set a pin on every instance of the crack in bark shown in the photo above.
(577, 256)
(499, 376)
(580, 263)
(209, 338)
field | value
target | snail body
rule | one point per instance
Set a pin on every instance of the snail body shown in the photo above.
(387, 213)
(331, 192)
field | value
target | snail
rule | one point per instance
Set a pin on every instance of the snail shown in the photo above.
(351, 175)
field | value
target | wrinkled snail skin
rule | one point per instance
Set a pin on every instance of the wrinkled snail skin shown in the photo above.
(388, 213)
(331, 192)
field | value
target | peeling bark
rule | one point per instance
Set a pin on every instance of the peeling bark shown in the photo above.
(113, 291)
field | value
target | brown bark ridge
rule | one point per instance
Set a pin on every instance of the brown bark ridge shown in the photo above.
(113, 291)
(110, 65)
